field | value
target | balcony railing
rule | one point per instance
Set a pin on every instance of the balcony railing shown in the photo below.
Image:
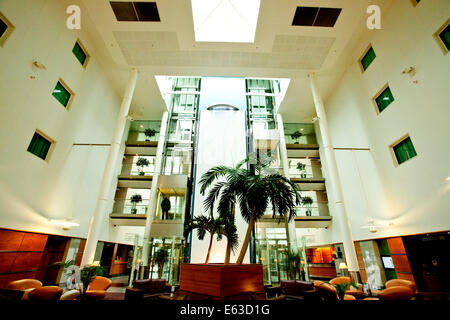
(174, 214)
(125, 206)
(133, 170)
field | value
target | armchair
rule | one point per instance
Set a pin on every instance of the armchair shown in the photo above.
(97, 288)
(47, 293)
(25, 285)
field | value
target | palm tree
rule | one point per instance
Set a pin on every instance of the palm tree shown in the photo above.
(253, 190)
(264, 188)
(229, 191)
(160, 257)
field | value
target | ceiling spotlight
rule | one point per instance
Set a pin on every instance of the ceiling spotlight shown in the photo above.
(448, 178)
(373, 229)
(302, 129)
(142, 126)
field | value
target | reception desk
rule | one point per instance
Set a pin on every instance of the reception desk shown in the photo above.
(117, 267)
(322, 270)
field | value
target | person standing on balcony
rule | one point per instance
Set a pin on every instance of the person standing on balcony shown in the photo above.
(165, 206)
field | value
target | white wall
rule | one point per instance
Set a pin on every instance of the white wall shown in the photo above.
(65, 186)
(415, 195)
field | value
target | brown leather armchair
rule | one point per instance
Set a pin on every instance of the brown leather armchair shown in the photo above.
(25, 285)
(356, 292)
(401, 283)
(328, 293)
(97, 288)
(47, 293)
(147, 289)
(394, 293)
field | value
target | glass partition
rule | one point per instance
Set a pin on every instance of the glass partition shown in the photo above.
(144, 130)
(300, 133)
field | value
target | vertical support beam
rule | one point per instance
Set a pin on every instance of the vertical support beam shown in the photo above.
(290, 225)
(154, 190)
(171, 261)
(305, 267)
(335, 182)
(101, 205)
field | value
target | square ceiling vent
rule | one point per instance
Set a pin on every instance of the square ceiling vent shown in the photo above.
(135, 11)
(316, 17)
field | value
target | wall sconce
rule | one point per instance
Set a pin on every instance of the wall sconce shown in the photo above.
(343, 266)
(64, 224)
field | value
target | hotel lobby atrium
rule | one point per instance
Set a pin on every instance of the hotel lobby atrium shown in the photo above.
(225, 150)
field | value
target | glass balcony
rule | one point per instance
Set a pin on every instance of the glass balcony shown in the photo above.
(132, 169)
(305, 168)
(144, 130)
(300, 133)
(313, 210)
(126, 206)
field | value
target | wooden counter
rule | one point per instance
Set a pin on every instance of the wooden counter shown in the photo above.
(322, 270)
(117, 267)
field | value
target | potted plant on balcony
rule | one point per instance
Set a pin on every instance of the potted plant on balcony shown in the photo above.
(141, 163)
(135, 199)
(149, 133)
(296, 135)
(302, 168)
(307, 202)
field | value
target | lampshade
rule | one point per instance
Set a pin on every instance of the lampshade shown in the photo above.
(342, 265)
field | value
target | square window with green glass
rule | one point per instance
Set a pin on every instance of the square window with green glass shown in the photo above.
(367, 58)
(62, 94)
(6, 28)
(39, 146)
(404, 150)
(443, 36)
(384, 98)
(80, 53)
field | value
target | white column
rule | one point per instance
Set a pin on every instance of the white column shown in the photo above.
(334, 180)
(101, 207)
(154, 190)
(290, 225)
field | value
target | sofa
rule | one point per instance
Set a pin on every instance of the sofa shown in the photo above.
(147, 289)
(358, 292)
(47, 293)
(294, 290)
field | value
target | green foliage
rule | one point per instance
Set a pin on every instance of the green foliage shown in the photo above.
(307, 200)
(301, 166)
(160, 257)
(149, 133)
(296, 135)
(88, 274)
(341, 288)
(142, 162)
(293, 263)
(136, 198)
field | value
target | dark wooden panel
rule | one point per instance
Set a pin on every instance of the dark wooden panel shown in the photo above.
(401, 263)
(396, 245)
(6, 261)
(405, 276)
(27, 261)
(80, 252)
(327, 272)
(10, 240)
(221, 280)
(3, 280)
(19, 276)
(33, 242)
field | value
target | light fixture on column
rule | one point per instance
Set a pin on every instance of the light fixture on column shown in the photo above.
(65, 224)
(343, 266)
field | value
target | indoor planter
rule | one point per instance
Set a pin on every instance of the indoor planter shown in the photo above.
(135, 199)
(149, 133)
(141, 163)
(251, 189)
(295, 136)
(307, 202)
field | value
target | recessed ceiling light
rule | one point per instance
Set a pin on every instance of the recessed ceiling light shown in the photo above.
(142, 126)
(301, 129)
(448, 178)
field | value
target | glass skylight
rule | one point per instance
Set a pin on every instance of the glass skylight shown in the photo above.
(225, 20)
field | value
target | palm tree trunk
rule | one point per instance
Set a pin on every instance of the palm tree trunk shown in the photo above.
(228, 252)
(244, 248)
(209, 249)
